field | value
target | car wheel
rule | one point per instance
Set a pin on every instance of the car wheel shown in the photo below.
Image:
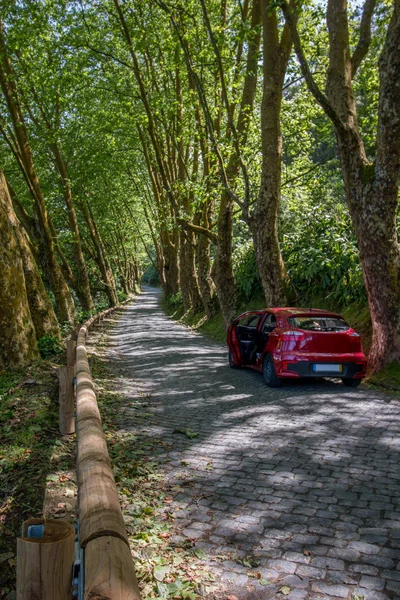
(232, 362)
(269, 373)
(351, 382)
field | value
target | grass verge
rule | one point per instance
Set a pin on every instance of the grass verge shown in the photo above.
(34, 459)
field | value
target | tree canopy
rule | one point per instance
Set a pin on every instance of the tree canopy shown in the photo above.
(230, 150)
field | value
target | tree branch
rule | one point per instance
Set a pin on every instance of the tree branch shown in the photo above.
(305, 69)
(364, 39)
(199, 230)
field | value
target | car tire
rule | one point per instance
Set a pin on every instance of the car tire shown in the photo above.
(351, 382)
(232, 362)
(270, 376)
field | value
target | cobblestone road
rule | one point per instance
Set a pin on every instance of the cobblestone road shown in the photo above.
(300, 484)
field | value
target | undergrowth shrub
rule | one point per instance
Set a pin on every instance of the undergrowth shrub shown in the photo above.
(122, 296)
(321, 254)
(48, 346)
(175, 300)
(247, 278)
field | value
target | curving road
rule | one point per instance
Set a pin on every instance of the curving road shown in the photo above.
(301, 483)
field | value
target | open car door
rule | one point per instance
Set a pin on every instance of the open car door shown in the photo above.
(246, 333)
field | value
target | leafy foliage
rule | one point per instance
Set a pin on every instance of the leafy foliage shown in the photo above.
(321, 254)
(48, 346)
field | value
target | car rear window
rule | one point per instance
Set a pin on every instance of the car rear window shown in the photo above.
(317, 323)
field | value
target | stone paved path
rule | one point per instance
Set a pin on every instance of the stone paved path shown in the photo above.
(301, 484)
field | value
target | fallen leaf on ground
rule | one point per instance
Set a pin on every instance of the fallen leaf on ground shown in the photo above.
(285, 590)
(160, 572)
(6, 556)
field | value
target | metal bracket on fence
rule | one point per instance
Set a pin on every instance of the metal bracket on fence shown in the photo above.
(78, 568)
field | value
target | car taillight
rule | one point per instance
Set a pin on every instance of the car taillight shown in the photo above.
(353, 334)
(290, 336)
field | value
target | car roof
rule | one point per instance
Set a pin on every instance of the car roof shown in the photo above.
(292, 311)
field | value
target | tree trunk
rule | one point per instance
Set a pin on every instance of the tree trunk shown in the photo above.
(42, 312)
(18, 339)
(59, 286)
(264, 220)
(171, 262)
(83, 285)
(206, 284)
(188, 279)
(222, 271)
(101, 259)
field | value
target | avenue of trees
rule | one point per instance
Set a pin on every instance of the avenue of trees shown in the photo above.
(231, 148)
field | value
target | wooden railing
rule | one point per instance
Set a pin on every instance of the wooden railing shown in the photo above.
(45, 559)
(109, 570)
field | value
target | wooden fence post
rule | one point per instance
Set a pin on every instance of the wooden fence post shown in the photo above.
(44, 564)
(71, 353)
(66, 399)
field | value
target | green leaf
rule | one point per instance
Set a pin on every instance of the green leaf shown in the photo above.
(6, 556)
(160, 572)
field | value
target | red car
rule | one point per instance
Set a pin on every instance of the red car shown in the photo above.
(289, 343)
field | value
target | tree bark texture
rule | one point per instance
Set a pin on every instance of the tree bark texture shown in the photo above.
(82, 280)
(59, 286)
(264, 219)
(222, 271)
(206, 284)
(188, 278)
(100, 256)
(41, 309)
(170, 249)
(17, 334)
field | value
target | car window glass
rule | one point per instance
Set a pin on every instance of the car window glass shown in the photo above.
(270, 322)
(319, 323)
(249, 321)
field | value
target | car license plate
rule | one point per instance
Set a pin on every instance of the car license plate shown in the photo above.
(331, 368)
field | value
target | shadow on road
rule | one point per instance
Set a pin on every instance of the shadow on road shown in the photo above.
(304, 479)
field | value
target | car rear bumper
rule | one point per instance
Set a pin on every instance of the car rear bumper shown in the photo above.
(352, 366)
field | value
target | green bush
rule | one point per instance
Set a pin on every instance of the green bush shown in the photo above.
(247, 278)
(321, 254)
(121, 296)
(84, 315)
(48, 346)
(175, 300)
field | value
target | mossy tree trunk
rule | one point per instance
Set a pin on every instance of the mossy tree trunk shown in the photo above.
(23, 151)
(18, 345)
(263, 221)
(42, 312)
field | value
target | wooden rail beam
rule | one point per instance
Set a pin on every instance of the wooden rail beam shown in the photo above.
(109, 569)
